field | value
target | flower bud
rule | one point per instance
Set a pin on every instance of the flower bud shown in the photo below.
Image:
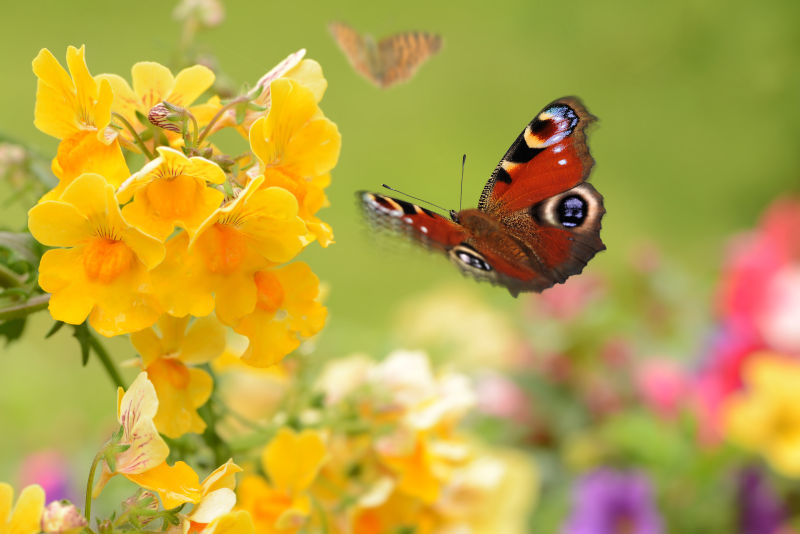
(163, 117)
(62, 517)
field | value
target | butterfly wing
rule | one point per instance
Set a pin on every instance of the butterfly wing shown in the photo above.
(420, 224)
(474, 257)
(359, 52)
(539, 196)
(400, 55)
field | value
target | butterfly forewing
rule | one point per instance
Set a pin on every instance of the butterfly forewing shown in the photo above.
(547, 158)
(355, 49)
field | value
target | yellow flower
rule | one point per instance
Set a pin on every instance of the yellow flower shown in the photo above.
(292, 462)
(765, 417)
(70, 103)
(171, 190)
(216, 267)
(146, 450)
(218, 499)
(76, 109)
(180, 389)
(287, 306)
(102, 270)
(310, 195)
(175, 484)
(421, 463)
(179, 484)
(295, 138)
(231, 523)
(26, 514)
(154, 83)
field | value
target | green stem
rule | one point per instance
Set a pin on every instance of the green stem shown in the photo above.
(105, 359)
(149, 155)
(215, 118)
(196, 130)
(87, 511)
(9, 278)
(23, 309)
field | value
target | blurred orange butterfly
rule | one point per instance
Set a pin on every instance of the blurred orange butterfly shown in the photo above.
(391, 60)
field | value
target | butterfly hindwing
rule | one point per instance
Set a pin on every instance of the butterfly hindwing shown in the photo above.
(402, 54)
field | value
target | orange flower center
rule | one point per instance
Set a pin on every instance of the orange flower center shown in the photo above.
(105, 259)
(171, 371)
(172, 197)
(270, 292)
(269, 508)
(223, 249)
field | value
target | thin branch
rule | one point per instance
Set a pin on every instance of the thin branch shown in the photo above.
(23, 309)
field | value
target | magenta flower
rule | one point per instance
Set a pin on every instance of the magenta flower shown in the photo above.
(613, 502)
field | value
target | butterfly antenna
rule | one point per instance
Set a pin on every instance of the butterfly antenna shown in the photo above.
(461, 192)
(416, 198)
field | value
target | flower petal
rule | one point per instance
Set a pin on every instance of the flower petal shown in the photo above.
(176, 484)
(307, 453)
(27, 515)
(151, 83)
(190, 83)
(58, 224)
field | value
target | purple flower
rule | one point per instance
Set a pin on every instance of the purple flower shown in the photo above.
(760, 509)
(613, 502)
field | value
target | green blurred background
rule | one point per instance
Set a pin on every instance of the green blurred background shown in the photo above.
(699, 128)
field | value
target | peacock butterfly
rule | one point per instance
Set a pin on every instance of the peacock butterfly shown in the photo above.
(537, 221)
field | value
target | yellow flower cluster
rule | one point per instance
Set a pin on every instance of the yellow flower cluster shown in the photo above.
(392, 459)
(193, 231)
(765, 416)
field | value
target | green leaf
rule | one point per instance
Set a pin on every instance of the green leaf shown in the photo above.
(55, 328)
(83, 336)
(12, 330)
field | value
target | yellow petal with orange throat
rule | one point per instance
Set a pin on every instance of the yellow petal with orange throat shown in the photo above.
(293, 460)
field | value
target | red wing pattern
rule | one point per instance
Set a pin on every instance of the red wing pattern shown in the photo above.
(422, 225)
(547, 158)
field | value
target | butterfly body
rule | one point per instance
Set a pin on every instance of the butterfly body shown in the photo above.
(391, 60)
(537, 221)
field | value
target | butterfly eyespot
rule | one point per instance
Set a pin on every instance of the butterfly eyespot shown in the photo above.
(470, 258)
(571, 211)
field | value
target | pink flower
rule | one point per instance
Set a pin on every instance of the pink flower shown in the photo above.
(48, 469)
(566, 301)
(760, 288)
(758, 304)
(662, 384)
(500, 397)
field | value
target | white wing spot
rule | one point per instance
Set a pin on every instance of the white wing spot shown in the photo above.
(423, 229)
(409, 220)
(562, 162)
